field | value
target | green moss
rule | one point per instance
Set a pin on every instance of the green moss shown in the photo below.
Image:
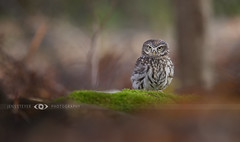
(125, 100)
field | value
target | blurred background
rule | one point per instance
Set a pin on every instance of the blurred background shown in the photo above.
(50, 47)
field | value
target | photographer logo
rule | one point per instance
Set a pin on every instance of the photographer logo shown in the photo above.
(41, 106)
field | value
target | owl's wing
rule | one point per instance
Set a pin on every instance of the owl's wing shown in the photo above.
(170, 71)
(171, 68)
(139, 74)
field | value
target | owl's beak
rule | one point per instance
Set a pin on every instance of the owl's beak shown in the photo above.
(154, 53)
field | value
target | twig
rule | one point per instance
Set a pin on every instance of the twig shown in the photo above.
(92, 56)
(36, 41)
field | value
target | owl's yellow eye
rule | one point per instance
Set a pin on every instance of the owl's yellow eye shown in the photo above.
(148, 47)
(159, 48)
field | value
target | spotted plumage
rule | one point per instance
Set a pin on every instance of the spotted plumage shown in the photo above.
(154, 70)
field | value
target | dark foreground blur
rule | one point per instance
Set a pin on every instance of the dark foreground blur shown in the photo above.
(171, 123)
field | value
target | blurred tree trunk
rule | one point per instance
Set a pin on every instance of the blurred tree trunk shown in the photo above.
(192, 22)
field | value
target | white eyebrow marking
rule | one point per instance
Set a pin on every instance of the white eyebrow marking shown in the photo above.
(161, 45)
(149, 45)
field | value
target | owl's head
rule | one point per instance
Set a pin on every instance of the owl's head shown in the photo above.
(155, 48)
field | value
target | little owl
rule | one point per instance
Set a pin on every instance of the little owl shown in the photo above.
(154, 69)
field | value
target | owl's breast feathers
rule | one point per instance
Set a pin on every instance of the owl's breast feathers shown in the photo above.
(152, 73)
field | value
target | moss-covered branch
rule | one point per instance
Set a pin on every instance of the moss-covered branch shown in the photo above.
(127, 99)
